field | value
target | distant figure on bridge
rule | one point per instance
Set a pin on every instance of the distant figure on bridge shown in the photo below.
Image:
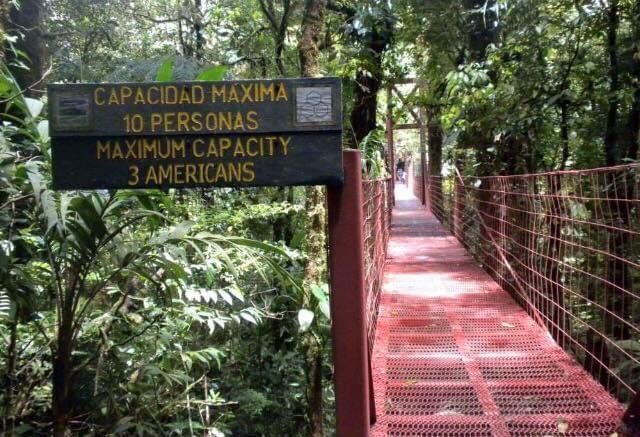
(401, 175)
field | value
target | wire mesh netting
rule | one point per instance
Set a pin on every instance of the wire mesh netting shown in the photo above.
(376, 210)
(566, 245)
(456, 355)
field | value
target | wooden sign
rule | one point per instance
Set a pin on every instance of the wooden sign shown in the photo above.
(196, 134)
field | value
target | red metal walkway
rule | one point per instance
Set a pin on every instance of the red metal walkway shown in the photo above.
(455, 355)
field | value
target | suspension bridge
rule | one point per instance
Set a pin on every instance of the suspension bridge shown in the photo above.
(502, 306)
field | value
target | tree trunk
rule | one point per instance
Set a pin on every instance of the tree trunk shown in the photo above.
(481, 31)
(62, 377)
(198, 31)
(365, 106)
(311, 34)
(314, 389)
(435, 157)
(564, 132)
(278, 29)
(9, 416)
(312, 25)
(634, 116)
(26, 20)
(611, 135)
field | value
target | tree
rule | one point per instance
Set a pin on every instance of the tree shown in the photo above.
(27, 62)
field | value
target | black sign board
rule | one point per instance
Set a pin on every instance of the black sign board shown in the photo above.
(196, 134)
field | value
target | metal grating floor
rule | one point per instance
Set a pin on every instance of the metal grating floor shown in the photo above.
(455, 355)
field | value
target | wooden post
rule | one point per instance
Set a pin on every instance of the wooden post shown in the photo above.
(391, 148)
(348, 302)
(423, 153)
(631, 419)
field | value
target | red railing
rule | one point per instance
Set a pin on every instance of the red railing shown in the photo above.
(376, 212)
(567, 246)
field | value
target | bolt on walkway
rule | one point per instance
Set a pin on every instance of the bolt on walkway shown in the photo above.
(455, 355)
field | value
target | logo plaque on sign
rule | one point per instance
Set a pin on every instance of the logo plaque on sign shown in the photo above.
(72, 111)
(314, 105)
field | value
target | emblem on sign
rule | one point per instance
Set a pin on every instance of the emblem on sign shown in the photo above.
(314, 105)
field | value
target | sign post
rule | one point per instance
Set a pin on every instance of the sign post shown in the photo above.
(196, 134)
(348, 302)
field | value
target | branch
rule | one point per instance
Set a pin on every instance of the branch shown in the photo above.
(30, 87)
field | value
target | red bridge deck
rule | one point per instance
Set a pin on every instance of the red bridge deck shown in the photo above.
(455, 355)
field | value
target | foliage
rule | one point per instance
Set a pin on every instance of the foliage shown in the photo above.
(372, 149)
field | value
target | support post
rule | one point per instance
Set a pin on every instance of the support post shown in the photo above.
(391, 148)
(423, 153)
(631, 419)
(348, 302)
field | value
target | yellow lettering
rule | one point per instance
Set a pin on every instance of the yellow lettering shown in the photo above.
(235, 172)
(134, 176)
(239, 150)
(191, 174)
(197, 95)
(151, 175)
(254, 141)
(156, 121)
(233, 94)
(218, 92)
(149, 148)
(103, 148)
(116, 153)
(282, 93)
(194, 148)
(207, 173)
(164, 174)
(178, 149)
(178, 173)
(213, 149)
(196, 120)
(170, 95)
(113, 97)
(169, 121)
(131, 149)
(220, 173)
(248, 171)
(139, 97)
(125, 94)
(239, 122)
(246, 93)
(252, 120)
(284, 143)
(211, 121)
(183, 121)
(153, 99)
(224, 120)
(98, 96)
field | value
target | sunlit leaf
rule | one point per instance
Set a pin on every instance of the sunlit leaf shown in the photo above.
(305, 319)
(165, 72)
(213, 73)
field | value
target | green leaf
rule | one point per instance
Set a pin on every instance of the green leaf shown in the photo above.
(90, 216)
(249, 318)
(213, 73)
(165, 72)
(321, 292)
(326, 309)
